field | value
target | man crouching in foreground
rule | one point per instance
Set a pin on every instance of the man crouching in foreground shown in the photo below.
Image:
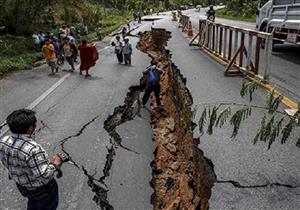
(27, 162)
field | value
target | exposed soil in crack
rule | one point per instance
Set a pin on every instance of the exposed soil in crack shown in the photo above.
(182, 176)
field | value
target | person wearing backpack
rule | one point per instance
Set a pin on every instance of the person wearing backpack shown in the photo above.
(153, 78)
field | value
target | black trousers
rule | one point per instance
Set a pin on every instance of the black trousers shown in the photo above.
(41, 198)
(149, 89)
(119, 56)
(127, 59)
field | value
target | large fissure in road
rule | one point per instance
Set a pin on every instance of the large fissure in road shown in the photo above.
(123, 113)
(182, 177)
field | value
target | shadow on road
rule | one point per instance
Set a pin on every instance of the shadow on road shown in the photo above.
(288, 52)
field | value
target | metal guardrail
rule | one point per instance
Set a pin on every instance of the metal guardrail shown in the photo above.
(240, 48)
(183, 21)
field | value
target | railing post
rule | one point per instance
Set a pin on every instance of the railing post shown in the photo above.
(268, 49)
(216, 38)
(242, 49)
(230, 45)
(236, 37)
(250, 40)
(221, 41)
(213, 37)
(225, 43)
(257, 54)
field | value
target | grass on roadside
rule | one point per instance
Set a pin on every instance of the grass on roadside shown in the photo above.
(223, 13)
(17, 53)
(19, 62)
(108, 25)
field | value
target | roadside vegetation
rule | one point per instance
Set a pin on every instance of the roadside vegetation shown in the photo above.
(275, 125)
(20, 19)
(238, 10)
(227, 14)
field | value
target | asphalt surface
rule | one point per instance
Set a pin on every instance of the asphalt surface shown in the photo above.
(66, 110)
(78, 100)
(238, 160)
(284, 61)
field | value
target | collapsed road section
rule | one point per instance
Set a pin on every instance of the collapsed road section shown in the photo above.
(182, 176)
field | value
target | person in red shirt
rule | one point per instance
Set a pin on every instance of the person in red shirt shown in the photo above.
(88, 57)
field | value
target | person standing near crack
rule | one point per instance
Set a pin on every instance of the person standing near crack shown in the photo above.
(152, 73)
(118, 49)
(127, 51)
(27, 162)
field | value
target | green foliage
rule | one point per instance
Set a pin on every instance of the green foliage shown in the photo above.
(202, 121)
(272, 126)
(273, 102)
(227, 14)
(238, 117)
(20, 62)
(248, 88)
(286, 132)
(269, 131)
(15, 45)
(223, 116)
(212, 114)
(242, 8)
(16, 53)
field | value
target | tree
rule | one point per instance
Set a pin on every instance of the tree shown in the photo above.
(20, 16)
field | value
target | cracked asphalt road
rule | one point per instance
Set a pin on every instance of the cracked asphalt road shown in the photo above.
(65, 112)
(77, 101)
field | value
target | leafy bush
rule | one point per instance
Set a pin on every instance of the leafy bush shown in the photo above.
(20, 62)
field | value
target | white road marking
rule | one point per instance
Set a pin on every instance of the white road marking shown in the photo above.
(38, 100)
(42, 97)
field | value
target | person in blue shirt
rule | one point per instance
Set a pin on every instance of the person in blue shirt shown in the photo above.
(153, 78)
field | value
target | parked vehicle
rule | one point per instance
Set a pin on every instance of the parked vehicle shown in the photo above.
(280, 17)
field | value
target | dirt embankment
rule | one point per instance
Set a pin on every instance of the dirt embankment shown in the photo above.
(182, 176)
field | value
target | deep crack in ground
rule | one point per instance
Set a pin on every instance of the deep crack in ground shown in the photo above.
(97, 186)
(123, 113)
(182, 176)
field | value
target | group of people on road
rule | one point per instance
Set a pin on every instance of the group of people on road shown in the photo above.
(57, 50)
(28, 163)
(25, 159)
(40, 38)
(123, 50)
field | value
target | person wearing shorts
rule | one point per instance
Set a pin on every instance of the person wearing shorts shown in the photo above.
(49, 53)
